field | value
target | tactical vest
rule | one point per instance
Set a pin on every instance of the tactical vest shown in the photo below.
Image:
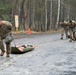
(5, 28)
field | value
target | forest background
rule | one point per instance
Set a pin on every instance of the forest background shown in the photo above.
(38, 15)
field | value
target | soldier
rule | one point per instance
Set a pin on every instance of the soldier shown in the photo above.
(72, 25)
(5, 30)
(65, 28)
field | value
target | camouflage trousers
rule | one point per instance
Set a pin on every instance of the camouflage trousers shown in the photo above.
(72, 34)
(8, 48)
(64, 31)
(1, 45)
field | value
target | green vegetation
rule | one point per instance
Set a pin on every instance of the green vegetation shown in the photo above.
(39, 15)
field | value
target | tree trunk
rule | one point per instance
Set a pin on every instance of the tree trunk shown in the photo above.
(33, 26)
(58, 15)
(45, 15)
(50, 27)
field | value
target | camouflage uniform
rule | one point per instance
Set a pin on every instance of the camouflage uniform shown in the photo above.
(8, 48)
(5, 29)
(2, 47)
(71, 30)
(64, 29)
(74, 31)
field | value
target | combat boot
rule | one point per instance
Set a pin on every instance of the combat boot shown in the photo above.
(2, 53)
(8, 55)
(68, 36)
(61, 37)
(70, 40)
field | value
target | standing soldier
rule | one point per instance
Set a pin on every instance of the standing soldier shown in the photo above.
(64, 28)
(72, 25)
(5, 30)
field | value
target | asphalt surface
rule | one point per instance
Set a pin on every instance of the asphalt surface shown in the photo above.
(51, 56)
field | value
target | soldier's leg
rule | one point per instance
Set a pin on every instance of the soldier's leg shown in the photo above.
(71, 35)
(62, 33)
(2, 48)
(8, 49)
(74, 36)
(66, 33)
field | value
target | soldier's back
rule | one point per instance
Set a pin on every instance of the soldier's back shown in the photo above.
(5, 28)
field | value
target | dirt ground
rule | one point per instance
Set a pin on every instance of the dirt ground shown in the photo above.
(51, 56)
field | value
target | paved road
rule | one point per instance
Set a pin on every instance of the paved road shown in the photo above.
(51, 56)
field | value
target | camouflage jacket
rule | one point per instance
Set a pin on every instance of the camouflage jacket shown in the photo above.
(5, 28)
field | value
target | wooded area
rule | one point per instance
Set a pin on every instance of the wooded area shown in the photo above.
(39, 15)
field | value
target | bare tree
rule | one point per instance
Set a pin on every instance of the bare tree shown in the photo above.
(45, 15)
(58, 14)
(50, 15)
